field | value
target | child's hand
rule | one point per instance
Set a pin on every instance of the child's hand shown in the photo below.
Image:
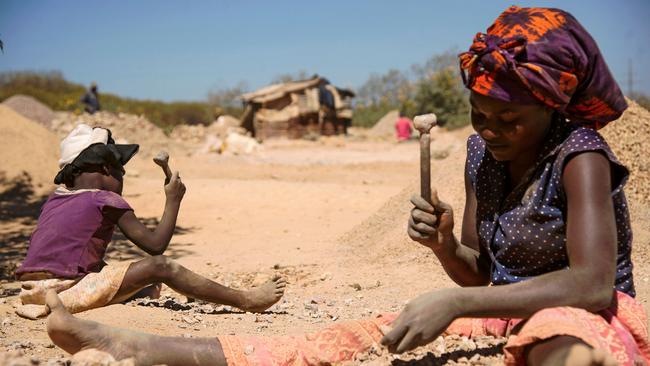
(431, 225)
(175, 189)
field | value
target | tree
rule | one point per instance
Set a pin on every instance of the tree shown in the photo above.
(227, 101)
(444, 95)
(434, 86)
(287, 77)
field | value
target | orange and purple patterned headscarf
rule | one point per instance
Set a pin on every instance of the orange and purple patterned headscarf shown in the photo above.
(532, 55)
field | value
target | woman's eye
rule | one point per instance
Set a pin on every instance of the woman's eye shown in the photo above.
(477, 117)
(508, 118)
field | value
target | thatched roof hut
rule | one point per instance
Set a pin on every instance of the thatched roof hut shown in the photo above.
(297, 108)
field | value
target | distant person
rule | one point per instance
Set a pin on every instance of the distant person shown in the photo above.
(66, 251)
(91, 99)
(403, 128)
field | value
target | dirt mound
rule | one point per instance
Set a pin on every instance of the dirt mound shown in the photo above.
(627, 137)
(126, 128)
(26, 148)
(30, 108)
(382, 236)
(385, 127)
(199, 133)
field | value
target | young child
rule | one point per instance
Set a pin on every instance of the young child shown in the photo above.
(76, 224)
(544, 256)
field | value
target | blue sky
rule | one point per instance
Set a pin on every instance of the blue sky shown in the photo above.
(182, 49)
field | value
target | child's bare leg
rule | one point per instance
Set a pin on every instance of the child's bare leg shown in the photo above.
(73, 335)
(567, 351)
(163, 269)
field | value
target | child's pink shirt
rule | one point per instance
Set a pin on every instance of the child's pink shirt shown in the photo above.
(72, 233)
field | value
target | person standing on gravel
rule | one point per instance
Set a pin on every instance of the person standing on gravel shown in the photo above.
(90, 99)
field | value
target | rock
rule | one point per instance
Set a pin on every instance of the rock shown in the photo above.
(249, 350)
(326, 276)
(6, 322)
(91, 357)
(356, 286)
(188, 319)
(311, 307)
(15, 358)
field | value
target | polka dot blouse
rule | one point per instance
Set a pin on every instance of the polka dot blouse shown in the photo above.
(525, 230)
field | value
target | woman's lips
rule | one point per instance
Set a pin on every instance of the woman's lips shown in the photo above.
(495, 146)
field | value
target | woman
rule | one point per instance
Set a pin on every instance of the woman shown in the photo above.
(546, 220)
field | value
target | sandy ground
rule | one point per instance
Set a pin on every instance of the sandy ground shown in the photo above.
(328, 215)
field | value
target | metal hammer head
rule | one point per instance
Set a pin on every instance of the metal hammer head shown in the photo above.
(162, 158)
(425, 122)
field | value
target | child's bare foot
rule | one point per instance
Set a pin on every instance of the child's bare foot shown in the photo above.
(263, 297)
(73, 334)
(583, 355)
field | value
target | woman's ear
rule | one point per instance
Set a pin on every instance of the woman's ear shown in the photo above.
(106, 170)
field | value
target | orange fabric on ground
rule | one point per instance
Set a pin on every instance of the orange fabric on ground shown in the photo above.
(336, 343)
(620, 330)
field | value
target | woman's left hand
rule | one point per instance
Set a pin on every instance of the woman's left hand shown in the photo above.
(422, 320)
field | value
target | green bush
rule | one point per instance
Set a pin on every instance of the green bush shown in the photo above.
(367, 116)
(51, 89)
(434, 87)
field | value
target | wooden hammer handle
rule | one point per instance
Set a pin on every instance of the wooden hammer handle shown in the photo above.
(425, 167)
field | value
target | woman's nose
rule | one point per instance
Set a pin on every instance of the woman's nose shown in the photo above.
(489, 132)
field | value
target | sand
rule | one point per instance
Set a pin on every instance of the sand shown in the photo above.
(28, 151)
(30, 108)
(385, 127)
(628, 137)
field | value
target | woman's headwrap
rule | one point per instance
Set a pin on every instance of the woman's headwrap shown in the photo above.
(532, 55)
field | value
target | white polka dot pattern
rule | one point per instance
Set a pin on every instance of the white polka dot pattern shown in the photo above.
(525, 230)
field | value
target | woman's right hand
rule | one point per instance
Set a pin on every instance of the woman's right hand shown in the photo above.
(175, 189)
(431, 224)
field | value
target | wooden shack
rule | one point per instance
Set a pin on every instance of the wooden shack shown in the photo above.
(296, 109)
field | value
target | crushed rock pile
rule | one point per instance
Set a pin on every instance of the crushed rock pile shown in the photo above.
(30, 108)
(126, 128)
(197, 134)
(88, 357)
(445, 350)
(223, 136)
(383, 234)
(27, 148)
(385, 127)
(627, 137)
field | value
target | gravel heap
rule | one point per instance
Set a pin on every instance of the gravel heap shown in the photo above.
(126, 128)
(31, 108)
(385, 127)
(198, 133)
(28, 151)
(627, 137)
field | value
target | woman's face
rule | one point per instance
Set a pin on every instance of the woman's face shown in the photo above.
(510, 131)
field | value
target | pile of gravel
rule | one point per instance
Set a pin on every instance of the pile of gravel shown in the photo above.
(30, 108)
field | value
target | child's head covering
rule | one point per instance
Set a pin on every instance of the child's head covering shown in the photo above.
(90, 147)
(532, 55)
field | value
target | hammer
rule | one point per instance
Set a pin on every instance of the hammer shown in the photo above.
(162, 159)
(424, 123)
